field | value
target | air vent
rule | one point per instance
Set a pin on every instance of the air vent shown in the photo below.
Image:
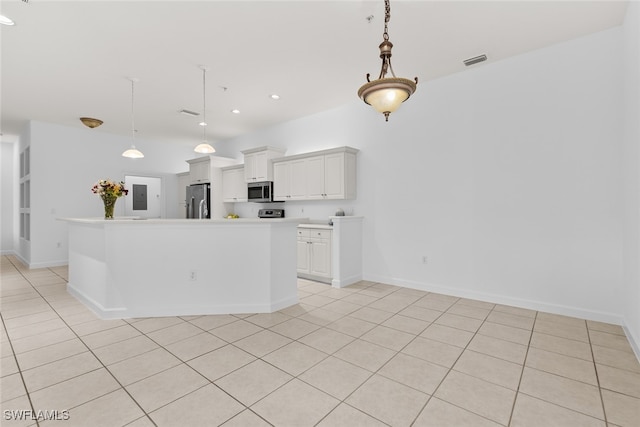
(189, 113)
(475, 60)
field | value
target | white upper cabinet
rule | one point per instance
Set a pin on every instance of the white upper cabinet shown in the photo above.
(291, 177)
(234, 187)
(327, 174)
(257, 163)
(315, 177)
(200, 170)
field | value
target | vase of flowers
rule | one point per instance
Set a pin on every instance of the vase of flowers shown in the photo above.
(109, 191)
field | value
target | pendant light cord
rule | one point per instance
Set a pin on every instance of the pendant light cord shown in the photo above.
(204, 105)
(133, 124)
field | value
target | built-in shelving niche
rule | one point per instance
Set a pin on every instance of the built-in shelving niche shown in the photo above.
(25, 194)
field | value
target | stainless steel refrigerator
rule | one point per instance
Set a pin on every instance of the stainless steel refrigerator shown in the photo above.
(198, 201)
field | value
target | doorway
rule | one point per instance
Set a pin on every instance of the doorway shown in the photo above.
(145, 196)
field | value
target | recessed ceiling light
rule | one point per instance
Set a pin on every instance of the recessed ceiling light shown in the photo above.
(202, 124)
(274, 96)
(6, 21)
(235, 111)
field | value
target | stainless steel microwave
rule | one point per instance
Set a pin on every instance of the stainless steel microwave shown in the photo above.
(261, 192)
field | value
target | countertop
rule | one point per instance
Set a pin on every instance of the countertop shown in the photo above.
(324, 226)
(181, 221)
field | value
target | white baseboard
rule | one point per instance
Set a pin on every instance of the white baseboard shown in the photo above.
(560, 309)
(346, 281)
(594, 315)
(191, 310)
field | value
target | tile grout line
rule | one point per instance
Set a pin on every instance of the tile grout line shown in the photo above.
(89, 349)
(15, 358)
(524, 364)
(595, 368)
(340, 310)
(182, 362)
(451, 369)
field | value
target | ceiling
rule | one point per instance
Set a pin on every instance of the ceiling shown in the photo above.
(67, 59)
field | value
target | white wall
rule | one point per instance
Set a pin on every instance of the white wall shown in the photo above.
(506, 176)
(631, 153)
(66, 162)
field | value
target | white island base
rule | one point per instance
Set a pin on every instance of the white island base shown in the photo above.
(147, 268)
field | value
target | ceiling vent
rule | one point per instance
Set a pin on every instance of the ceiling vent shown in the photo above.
(475, 60)
(189, 113)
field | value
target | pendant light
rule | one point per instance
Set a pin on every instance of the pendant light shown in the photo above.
(132, 152)
(204, 147)
(386, 93)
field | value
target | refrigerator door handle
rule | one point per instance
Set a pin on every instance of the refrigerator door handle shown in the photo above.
(190, 207)
(200, 209)
(206, 202)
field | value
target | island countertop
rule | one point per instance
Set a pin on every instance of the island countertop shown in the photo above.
(176, 221)
(129, 267)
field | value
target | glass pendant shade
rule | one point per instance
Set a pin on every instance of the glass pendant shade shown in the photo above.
(133, 153)
(387, 94)
(204, 148)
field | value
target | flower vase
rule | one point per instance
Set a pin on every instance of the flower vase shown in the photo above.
(109, 204)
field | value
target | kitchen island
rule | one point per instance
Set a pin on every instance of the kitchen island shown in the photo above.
(127, 268)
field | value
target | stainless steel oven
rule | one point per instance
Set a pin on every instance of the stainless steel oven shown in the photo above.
(261, 192)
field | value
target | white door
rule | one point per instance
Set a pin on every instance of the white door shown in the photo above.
(144, 198)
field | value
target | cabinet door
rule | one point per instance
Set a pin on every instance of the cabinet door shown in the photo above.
(303, 255)
(199, 172)
(261, 166)
(249, 167)
(234, 188)
(315, 177)
(281, 181)
(228, 186)
(298, 179)
(334, 176)
(239, 185)
(321, 257)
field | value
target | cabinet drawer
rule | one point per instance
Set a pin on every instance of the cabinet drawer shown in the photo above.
(320, 234)
(303, 232)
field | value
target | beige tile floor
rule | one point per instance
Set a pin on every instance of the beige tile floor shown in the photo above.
(367, 355)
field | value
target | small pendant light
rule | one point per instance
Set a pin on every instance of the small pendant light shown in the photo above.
(386, 93)
(204, 147)
(132, 152)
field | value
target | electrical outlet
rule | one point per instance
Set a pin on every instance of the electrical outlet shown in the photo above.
(424, 259)
(193, 276)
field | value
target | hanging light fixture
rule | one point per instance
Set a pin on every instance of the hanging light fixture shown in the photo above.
(204, 147)
(386, 93)
(132, 152)
(90, 122)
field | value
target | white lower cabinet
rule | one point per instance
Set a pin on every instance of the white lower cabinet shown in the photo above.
(314, 253)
